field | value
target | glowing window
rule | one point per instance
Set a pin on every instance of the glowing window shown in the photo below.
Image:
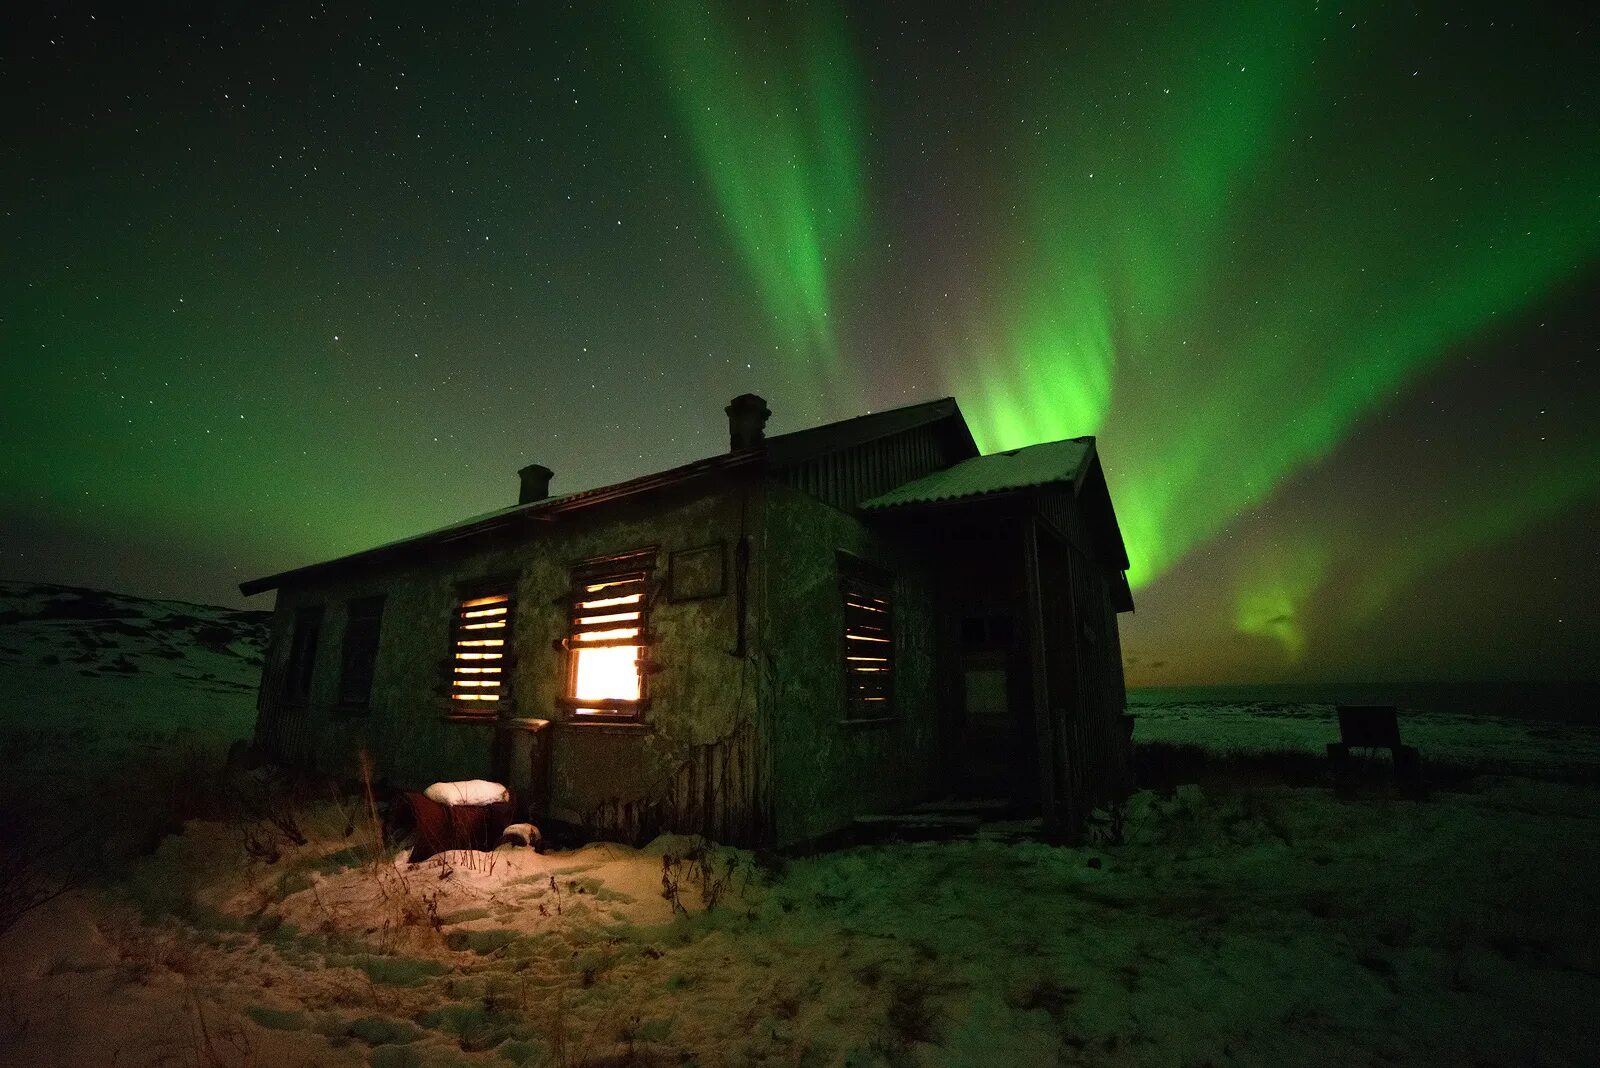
(606, 643)
(479, 660)
(868, 640)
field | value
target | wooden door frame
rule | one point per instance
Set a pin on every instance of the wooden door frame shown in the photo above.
(1050, 808)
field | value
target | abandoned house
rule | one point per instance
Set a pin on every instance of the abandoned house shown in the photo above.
(759, 647)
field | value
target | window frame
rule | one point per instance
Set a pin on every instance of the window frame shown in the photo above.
(639, 567)
(363, 610)
(300, 667)
(483, 591)
(867, 698)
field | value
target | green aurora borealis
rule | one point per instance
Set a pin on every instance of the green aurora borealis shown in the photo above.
(1320, 279)
(774, 115)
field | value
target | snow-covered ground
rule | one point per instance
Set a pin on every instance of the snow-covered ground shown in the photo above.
(1238, 923)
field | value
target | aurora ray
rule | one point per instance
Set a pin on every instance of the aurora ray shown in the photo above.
(1342, 578)
(1213, 276)
(772, 109)
(326, 281)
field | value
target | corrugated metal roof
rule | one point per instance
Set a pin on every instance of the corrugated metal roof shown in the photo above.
(1034, 465)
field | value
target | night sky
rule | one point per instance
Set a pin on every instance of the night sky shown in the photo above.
(1323, 279)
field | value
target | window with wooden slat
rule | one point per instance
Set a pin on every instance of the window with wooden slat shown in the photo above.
(606, 640)
(479, 656)
(868, 640)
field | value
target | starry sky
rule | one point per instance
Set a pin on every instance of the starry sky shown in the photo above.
(284, 281)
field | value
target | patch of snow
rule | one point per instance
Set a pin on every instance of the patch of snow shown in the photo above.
(467, 792)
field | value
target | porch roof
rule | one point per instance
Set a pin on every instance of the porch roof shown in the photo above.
(1034, 465)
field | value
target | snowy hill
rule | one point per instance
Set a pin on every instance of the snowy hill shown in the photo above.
(88, 676)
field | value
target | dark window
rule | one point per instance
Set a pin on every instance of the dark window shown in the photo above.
(868, 639)
(986, 632)
(607, 637)
(479, 653)
(362, 625)
(302, 653)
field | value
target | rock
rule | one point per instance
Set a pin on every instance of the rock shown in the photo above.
(522, 834)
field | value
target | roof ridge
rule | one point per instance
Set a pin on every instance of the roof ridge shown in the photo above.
(880, 413)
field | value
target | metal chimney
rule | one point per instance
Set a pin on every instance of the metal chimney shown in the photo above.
(535, 483)
(747, 422)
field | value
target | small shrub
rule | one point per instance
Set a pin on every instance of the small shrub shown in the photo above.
(291, 883)
(278, 1019)
(392, 971)
(465, 915)
(476, 1025)
(382, 1031)
(698, 867)
(395, 1057)
(482, 943)
(521, 1051)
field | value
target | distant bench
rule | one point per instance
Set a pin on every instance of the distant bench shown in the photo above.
(1374, 727)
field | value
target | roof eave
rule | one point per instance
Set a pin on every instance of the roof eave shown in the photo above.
(542, 511)
(908, 507)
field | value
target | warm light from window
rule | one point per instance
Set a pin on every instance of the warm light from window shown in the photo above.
(616, 634)
(609, 673)
(607, 617)
(869, 646)
(470, 678)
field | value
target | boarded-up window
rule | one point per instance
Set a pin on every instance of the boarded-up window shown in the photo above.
(480, 680)
(868, 639)
(362, 624)
(302, 653)
(607, 638)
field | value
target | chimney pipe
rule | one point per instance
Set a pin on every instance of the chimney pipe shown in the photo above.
(747, 422)
(535, 483)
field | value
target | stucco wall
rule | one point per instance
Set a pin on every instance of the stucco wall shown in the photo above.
(827, 770)
(701, 693)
